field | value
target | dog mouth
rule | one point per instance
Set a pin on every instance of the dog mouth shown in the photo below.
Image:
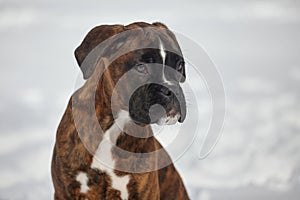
(157, 114)
(155, 108)
(169, 118)
(162, 116)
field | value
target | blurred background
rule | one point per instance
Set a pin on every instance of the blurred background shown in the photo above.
(254, 44)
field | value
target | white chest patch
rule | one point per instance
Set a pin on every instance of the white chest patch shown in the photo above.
(103, 159)
(83, 180)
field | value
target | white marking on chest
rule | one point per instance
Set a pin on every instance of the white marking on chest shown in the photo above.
(103, 159)
(83, 180)
(163, 57)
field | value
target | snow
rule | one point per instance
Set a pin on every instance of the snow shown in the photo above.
(253, 43)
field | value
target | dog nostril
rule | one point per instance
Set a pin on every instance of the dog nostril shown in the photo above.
(166, 91)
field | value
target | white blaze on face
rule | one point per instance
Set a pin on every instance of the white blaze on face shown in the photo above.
(104, 154)
(162, 51)
(163, 57)
(168, 120)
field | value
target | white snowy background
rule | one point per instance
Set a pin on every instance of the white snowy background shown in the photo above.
(255, 44)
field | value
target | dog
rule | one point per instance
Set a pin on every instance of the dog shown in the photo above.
(133, 75)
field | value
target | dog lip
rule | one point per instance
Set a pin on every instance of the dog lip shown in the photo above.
(180, 119)
(169, 118)
(172, 113)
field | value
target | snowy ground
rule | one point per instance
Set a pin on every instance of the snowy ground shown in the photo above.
(255, 45)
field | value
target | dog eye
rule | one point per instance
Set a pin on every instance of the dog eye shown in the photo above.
(180, 65)
(141, 68)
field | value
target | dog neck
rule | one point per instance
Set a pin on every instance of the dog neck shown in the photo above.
(101, 115)
(116, 133)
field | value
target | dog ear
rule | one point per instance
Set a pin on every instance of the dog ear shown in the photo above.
(160, 25)
(91, 40)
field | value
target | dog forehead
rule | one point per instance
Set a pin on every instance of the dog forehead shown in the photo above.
(159, 51)
(152, 37)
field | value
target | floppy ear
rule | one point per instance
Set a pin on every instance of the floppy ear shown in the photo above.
(160, 25)
(91, 40)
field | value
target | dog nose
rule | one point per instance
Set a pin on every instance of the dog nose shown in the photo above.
(165, 91)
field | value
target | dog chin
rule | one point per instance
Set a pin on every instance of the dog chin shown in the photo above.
(168, 120)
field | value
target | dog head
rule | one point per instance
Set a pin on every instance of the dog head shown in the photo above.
(150, 88)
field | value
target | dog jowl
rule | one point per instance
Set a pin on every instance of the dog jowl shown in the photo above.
(133, 75)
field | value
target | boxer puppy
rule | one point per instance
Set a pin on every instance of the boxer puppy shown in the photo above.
(148, 93)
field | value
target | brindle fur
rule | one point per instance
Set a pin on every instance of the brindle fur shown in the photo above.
(70, 155)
